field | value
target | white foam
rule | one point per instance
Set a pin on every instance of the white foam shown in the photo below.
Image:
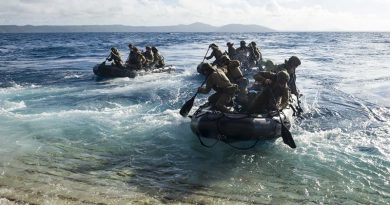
(145, 83)
(8, 106)
(167, 117)
(17, 87)
(113, 114)
(70, 76)
(13, 86)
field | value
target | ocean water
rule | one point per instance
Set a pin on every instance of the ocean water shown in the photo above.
(68, 137)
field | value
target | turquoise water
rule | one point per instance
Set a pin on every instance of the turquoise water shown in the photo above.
(71, 138)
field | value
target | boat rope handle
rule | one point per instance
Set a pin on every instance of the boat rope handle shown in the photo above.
(221, 135)
(208, 146)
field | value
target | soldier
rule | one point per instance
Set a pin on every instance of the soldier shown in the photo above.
(275, 96)
(148, 54)
(215, 53)
(217, 80)
(137, 60)
(116, 57)
(242, 53)
(130, 53)
(290, 65)
(158, 60)
(269, 65)
(255, 57)
(234, 74)
(231, 51)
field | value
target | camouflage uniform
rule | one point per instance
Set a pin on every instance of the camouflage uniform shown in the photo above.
(269, 66)
(128, 57)
(235, 76)
(136, 60)
(290, 66)
(231, 51)
(242, 53)
(231, 68)
(158, 60)
(215, 53)
(148, 54)
(225, 90)
(116, 57)
(266, 100)
(255, 56)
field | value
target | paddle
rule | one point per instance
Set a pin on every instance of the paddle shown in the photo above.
(205, 54)
(286, 134)
(188, 105)
(105, 60)
(185, 109)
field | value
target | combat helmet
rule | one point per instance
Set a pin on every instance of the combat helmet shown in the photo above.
(282, 76)
(114, 50)
(213, 46)
(294, 61)
(269, 65)
(205, 67)
(224, 59)
(234, 63)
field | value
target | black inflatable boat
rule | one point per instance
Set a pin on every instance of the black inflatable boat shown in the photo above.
(233, 127)
(111, 71)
